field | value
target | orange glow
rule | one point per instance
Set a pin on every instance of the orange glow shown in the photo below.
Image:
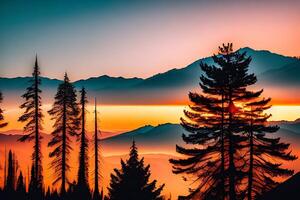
(122, 118)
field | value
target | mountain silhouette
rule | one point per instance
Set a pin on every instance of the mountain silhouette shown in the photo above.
(287, 75)
(158, 139)
(170, 86)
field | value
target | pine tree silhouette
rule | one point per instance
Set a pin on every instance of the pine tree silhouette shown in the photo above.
(208, 123)
(96, 194)
(11, 183)
(9, 186)
(21, 190)
(218, 126)
(131, 182)
(48, 194)
(33, 116)
(2, 124)
(82, 189)
(261, 170)
(65, 113)
(32, 192)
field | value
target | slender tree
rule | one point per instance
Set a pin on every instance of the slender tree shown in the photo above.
(9, 187)
(65, 113)
(21, 186)
(96, 194)
(33, 117)
(261, 148)
(82, 182)
(2, 124)
(132, 180)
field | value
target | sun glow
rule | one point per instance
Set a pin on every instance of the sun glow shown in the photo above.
(120, 118)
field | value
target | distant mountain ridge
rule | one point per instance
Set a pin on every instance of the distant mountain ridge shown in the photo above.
(161, 138)
(169, 87)
(162, 133)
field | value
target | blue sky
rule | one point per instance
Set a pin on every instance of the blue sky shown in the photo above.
(135, 38)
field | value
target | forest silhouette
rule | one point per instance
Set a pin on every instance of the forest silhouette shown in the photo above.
(230, 152)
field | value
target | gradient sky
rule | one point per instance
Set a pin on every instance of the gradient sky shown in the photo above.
(136, 38)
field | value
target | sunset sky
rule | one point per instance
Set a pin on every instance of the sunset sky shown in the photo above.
(137, 38)
(142, 38)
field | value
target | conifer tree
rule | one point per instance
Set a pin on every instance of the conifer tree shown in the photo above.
(261, 148)
(2, 124)
(96, 194)
(21, 186)
(216, 127)
(9, 186)
(82, 189)
(33, 192)
(132, 180)
(33, 117)
(207, 124)
(65, 113)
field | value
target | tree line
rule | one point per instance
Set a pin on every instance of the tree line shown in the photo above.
(130, 182)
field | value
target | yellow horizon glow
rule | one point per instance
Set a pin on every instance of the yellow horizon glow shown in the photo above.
(121, 118)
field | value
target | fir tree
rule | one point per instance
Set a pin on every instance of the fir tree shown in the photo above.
(33, 117)
(33, 193)
(65, 113)
(264, 153)
(9, 186)
(2, 124)
(96, 195)
(217, 128)
(82, 183)
(131, 182)
(21, 186)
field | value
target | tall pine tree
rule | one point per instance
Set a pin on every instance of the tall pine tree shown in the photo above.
(213, 122)
(65, 112)
(96, 195)
(33, 117)
(131, 182)
(82, 188)
(2, 124)
(217, 128)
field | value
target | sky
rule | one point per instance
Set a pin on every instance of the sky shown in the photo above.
(136, 38)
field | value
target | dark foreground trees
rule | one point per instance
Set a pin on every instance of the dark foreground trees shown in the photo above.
(131, 182)
(65, 113)
(33, 118)
(226, 137)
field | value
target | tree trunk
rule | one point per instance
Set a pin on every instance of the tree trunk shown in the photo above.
(96, 187)
(250, 175)
(232, 194)
(222, 152)
(63, 168)
(36, 104)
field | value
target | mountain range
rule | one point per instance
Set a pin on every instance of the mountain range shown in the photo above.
(155, 139)
(276, 73)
